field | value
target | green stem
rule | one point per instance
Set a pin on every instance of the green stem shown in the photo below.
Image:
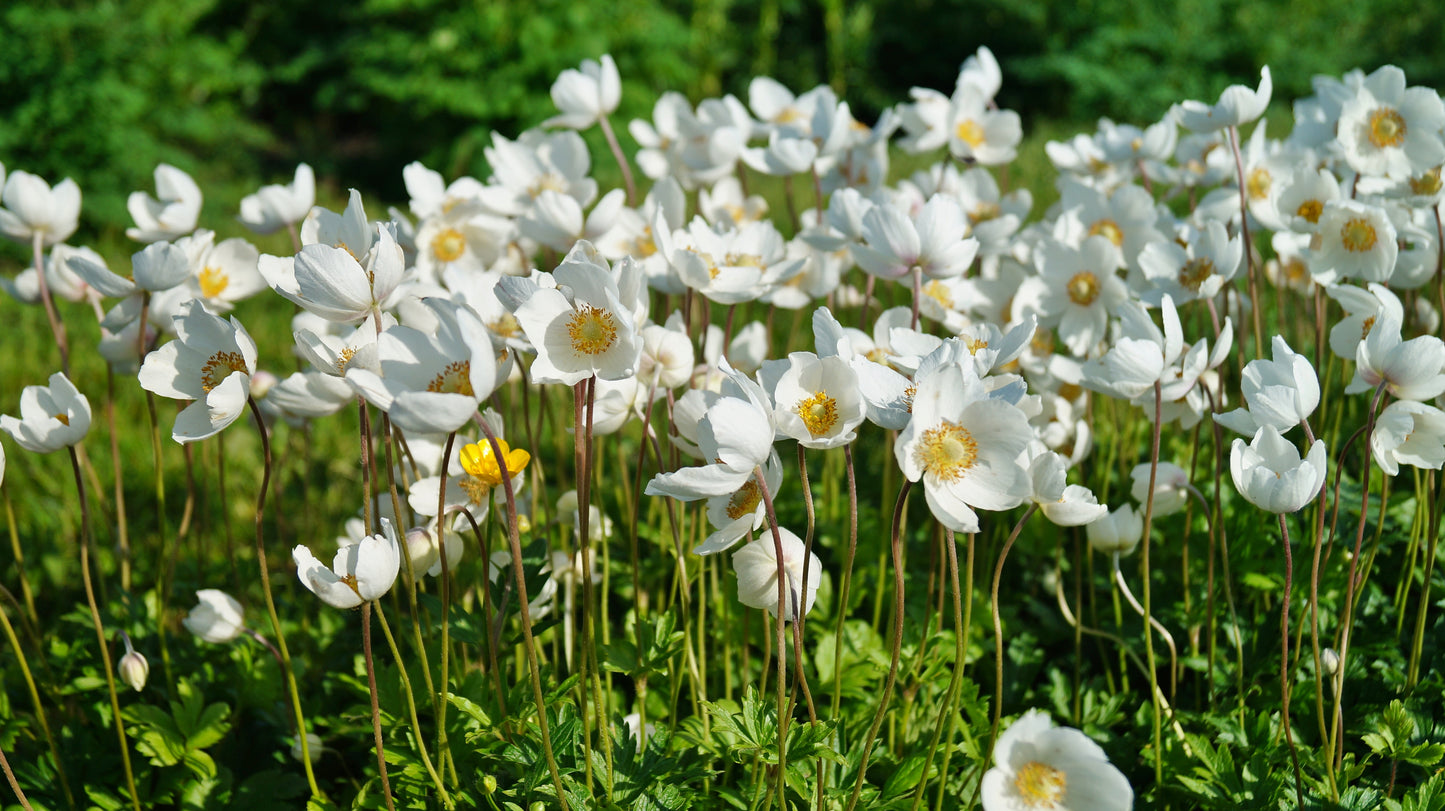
(375, 705)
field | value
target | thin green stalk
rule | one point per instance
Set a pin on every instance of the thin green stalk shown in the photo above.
(375, 705)
(998, 627)
(949, 716)
(1148, 578)
(35, 703)
(85, 544)
(14, 784)
(411, 708)
(848, 557)
(1284, 659)
(276, 629)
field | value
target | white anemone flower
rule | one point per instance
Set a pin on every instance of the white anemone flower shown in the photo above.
(1237, 105)
(965, 447)
(1357, 241)
(817, 401)
(211, 363)
(579, 327)
(934, 241)
(336, 283)
(1117, 533)
(1388, 129)
(1282, 392)
(1066, 505)
(1076, 289)
(217, 617)
(737, 515)
(1410, 433)
(735, 434)
(33, 208)
(172, 213)
(1171, 487)
(1271, 475)
(586, 95)
(51, 417)
(1196, 271)
(276, 206)
(1409, 370)
(433, 375)
(757, 568)
(1040, 766)
(360, 572)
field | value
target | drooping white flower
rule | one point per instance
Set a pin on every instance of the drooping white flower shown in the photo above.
(360, 571)
(1237, 105)
(1171, 487)
(1282, 392)
(33, 207)
(586, 95)
(1066, 505)
(756, 565)
(51, 417)
(276, 206)
(1270, 473)
(1040, 766)
(217, 617)
(1119, 532)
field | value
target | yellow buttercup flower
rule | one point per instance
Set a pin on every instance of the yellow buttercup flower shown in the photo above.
(481, 464)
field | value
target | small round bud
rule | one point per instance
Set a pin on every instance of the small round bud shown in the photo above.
(133, 668)
(261, 384)
(1329, 662)
(524, 524)
(537, 806)
(313, 747)
(489, 785)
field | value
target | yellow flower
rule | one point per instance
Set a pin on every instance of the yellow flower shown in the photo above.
(481, 464)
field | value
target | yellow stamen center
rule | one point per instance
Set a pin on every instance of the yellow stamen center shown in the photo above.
(908, 398)
(213, 281)
(1109, 230)
(344, 359)
(219, 367)
(592, 330)
(745, 500)
(1386, 128)
(973, 345)
(970, 132)
(64, 418)
(644, 246)
(1358, 235)
(1258, 182)
(456, 378)
(1070, 391)
(938, 291)
(507, 326)
(743, 260)
(350, 581)
(448, 245)
(1310, 210)
(819, 413)
(550, 181)
(1427, 184)
(1040, 785)
(1083, 288)
(947, 451)
(1194, 273)
(983, 212)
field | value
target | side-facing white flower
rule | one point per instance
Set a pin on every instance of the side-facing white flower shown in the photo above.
(217, 617)
(1040, 766)
(173, 215)
(756, 565)
(360, 571)
(586, 95)
(276, 206)
(211, 362)
(1409, 370)
(1282, 392)
(1270, 474)
(1067, 505)
(1117, 533)
(33, 207)
(1171, 487)
(1410, 433)
(51, 417)
(1237, 105)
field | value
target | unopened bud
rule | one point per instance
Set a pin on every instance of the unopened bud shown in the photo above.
(313, 747)
(133, 667)
(261, 384)
(1329, 662)
(489, 785)
(537, 806)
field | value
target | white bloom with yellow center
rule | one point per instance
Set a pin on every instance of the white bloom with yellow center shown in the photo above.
(51, 417)
(1388, 129)
(210, 362)
(434, 373)
(360, 571)
(1357, 241)
(580, 326)
(817, 401)
(965, 447)
(1041, 767)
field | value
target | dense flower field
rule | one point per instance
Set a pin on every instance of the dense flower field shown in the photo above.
(859, 493)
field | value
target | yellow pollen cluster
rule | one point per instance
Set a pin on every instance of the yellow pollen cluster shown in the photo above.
(947, 451)
(1040, 785)
(64, 418)
(1365, 330)
(938, 291)
(908, 397)
(507, 326)
(743, 260)
(788, 115)
(219, 367)
(819, 413)
(591, 330)
(973, 345)
(448, 245)
(1358, 235)
(1295, 270)
(1070, 391)
(745, 500)
(970, 132)
(1194, 273)
(644, 246)
(456, 378)
(213, 280)
(1428, 183)
(1257, 184)
(983, 212)
(1311, 210)
(1386, 128)
(1083, 288)
(550, 181)
(1109, 230)
(1042, 343)
(350, 581)
(344, 359)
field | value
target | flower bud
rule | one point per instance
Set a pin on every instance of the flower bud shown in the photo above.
(261, 384)
(133, 668)
(313, 747)
(537, 806)
(489, 785)
(1329, 662)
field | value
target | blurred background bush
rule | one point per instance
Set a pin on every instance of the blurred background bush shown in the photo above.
(238, 91)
